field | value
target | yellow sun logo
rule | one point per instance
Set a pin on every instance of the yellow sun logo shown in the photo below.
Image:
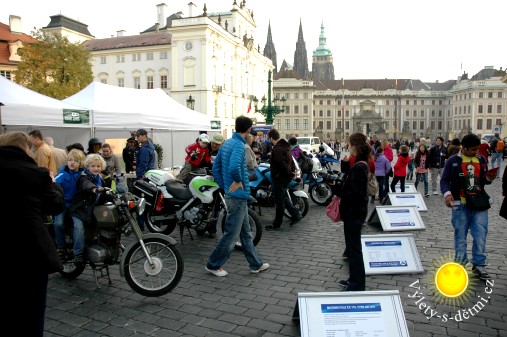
(450, 281)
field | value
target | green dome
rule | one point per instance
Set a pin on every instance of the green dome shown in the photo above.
(322, 49)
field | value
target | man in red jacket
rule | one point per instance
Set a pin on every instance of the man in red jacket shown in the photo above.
(197, 156)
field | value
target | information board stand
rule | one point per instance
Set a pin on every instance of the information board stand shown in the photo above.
(390, 254)
(406, 199)
(352, 313)
(397, 218)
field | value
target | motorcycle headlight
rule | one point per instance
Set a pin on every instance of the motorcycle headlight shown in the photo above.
(141, 206)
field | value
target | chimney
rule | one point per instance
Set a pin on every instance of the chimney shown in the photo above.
(160, 14)
(15, 24)
(190, 5)
(157, 27)
(119, 33)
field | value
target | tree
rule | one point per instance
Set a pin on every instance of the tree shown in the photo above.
(53, 66)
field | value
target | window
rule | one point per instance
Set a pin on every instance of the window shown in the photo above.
(149, 56)
(347, 113)
(415, 102)
(490, 108)
(103, 80)
(407, 113)
(440, 125)
(347, 102)
(439, 102)
(339, 113)
(136, 57)
(432, 113)
(500, 94)
(387, 102)
(422, 113)
(149, 82)
(432, 125)
(407, 102)
(305, 124)
(480, 108)
(432, 102)
(163, 55)
(287, 95)
(137, 83)
(296, 124)
(469, 109)
(287, 109)
(296, 95)
(439, 113)
(321, 102)
(328, 125)
(321, 113)
(328, 113)
(490, 94)
(102, 60)
(498, 109)
(479, 124)
(6, 74)
(414, 125)
(347, 125)
(414, 113)
(121, 82)
(287, 124)
(305, 95)
(387, 113)
(163, 81)
(481, 95)
(328, 102)
(498, 121)
(339, 124)
(120, 58)
(305, 109)
(296, 109)
(421, 125)
(422, 102)
(489, 124)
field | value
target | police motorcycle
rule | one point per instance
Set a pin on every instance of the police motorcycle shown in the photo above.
(151, 264)
(261, 189)
(326, 157)
(318, 188)
(196, 206)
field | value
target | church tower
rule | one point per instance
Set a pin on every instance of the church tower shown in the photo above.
(269, 49)
(301, 56)
(322, 64)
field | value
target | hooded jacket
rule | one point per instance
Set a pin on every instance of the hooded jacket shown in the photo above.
(281, 163)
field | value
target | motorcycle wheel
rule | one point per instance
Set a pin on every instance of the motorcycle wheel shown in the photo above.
(300, 203)
(255, 227)
(159, 279)
(321, 194)
(159, 226)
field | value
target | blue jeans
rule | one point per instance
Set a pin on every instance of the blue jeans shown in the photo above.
(463, 220)
(78, 235)
(496, 158)
(282, 202)
(236, 224)
(382, 192)
(423, 177)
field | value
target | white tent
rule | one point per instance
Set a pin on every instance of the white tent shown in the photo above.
(116, 112)
(25, 110)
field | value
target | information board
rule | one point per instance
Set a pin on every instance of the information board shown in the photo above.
(352, 313)
(399, 218)
(409, 188)
(390, 254)
(406, 199)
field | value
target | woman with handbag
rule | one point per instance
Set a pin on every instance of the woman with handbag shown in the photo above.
(354, 209)
(400, 169)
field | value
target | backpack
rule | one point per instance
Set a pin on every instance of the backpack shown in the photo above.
(305, 162)
(499, 146)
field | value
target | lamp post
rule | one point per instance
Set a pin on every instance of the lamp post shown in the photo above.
(271, 109)
(190, 102)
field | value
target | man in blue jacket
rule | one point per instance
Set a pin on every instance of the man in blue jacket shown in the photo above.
(465, 174)
(145, 161)
(229, 170)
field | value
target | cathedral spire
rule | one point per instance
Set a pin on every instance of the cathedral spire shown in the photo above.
(322, 66)
(300, 55)
(269, 49)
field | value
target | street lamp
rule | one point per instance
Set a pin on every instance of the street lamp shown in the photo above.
(271, 109)
(190, 102)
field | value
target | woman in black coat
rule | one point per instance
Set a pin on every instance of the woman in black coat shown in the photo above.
(354, 209)
(29, 193)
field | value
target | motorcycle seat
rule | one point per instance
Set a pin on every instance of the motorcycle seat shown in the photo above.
(177, 190)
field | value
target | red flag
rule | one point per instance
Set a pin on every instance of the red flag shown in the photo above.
(249, 107)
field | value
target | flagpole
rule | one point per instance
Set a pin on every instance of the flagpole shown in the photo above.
(343, 111)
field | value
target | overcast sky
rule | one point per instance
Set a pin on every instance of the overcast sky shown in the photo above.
(370, 39)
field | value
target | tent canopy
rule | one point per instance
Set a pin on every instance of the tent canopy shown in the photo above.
(22, 106)
(127, 108)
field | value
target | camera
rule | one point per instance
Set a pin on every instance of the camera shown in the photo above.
(333, 177)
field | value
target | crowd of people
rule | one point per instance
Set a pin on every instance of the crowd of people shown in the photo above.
(66, 183)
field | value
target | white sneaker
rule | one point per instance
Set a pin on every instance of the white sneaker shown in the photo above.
(219, 272)
(263, 267)
(435, 193)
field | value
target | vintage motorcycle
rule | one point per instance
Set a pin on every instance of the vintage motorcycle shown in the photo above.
(197, 206)
(260, 189)
(151, 264)
(326, 157)
(319, 190)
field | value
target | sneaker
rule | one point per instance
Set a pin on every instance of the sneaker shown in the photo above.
(261, 268)
(219, 272)
(427, 195)
(435, 193)
(343, 283)
(481, 272)
(272, 228)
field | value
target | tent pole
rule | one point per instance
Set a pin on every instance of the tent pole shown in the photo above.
(1, 126)
(172, 146)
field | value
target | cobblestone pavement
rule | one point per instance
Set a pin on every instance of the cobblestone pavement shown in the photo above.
(303, 258)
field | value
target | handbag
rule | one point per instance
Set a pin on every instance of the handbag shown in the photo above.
(372, 185)
(333, 209)
(477, 201)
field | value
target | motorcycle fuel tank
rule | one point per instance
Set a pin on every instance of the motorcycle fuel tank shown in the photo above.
(203, 188)
(158, 177)
(106, 215)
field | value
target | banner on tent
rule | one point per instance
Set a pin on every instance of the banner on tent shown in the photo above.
(71, 116)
